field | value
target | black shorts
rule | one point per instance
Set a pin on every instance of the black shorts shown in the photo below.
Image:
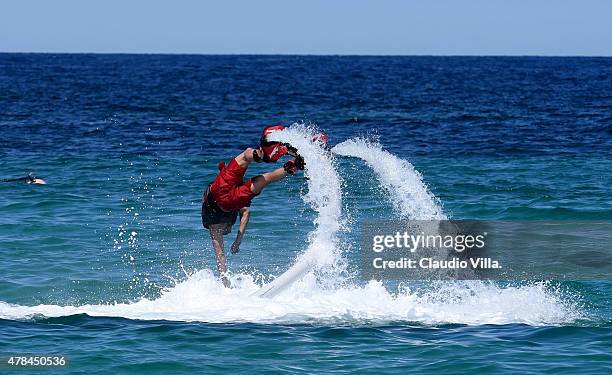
(213, 214)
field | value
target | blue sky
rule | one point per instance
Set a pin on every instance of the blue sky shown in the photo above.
(383, 27)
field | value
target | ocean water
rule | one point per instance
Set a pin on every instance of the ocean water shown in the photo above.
(108, 263)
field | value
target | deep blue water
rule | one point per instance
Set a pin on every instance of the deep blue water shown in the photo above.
(127, 143)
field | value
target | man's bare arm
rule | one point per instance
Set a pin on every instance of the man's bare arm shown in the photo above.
(244, 221)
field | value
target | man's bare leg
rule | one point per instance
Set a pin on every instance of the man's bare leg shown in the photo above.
(259, 182)
(245, 158)
(216, 234)
(263, 180)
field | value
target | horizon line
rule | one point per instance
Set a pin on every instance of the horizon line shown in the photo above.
(293, 54)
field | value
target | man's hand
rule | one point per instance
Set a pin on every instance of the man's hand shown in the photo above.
(236, 245)
(294, 165)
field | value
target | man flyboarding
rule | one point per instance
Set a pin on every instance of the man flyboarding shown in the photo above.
(229, 195)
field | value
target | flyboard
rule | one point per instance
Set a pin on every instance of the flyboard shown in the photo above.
(303, 265)
(294, 273)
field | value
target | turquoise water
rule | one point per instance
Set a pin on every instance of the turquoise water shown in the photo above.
(108, 264)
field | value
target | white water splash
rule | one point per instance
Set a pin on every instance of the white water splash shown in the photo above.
(324, 197)
(203, 298)
(407, 192)
(324, 194)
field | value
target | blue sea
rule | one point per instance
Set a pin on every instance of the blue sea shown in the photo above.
(108, 264)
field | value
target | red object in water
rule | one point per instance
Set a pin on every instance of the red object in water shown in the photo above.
(320, 138)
